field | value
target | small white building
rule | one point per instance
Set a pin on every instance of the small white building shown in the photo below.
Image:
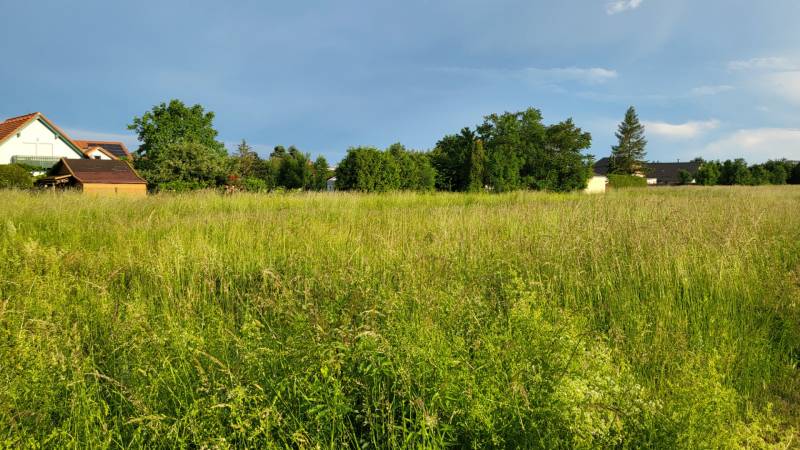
(331, 184)
(596, 185)
(33, 140)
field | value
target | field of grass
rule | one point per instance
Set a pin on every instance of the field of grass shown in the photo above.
(665, 318)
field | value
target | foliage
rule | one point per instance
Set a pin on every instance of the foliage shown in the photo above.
(13, 176)
(246, 161)
(709, 172)
(523, 320)
(619, 181)
(685, 177)
(451, 159)
(320, 174)
(253, 184)
(512, 151)
(735, 172)
(628, 156)
(294, 171)
(179, 144)
(759, 175)
(478, 177)
(795, 174)
(168, 124)
(560, 165)
(184, 163)
(368, 169)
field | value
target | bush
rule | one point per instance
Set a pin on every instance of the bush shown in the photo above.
(251, 184)
(183, 186)
(13, 176)
(618, 181)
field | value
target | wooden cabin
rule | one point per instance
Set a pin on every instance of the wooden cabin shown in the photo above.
(95, 176)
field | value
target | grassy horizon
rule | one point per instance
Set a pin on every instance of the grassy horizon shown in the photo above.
(642, 318)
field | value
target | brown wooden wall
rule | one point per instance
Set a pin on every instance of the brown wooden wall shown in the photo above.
(115, 189)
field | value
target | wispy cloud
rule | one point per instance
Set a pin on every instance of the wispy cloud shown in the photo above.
(703, 91)
(757, 145)
(619, 6)
(536, 75)
(688, 130)
(130, 140)
(768, 63)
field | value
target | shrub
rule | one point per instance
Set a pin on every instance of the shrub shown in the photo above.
(183, 186)
(618, 181)
(13, 176)
(252, 184)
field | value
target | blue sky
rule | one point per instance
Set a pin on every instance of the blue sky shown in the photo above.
(711, 78)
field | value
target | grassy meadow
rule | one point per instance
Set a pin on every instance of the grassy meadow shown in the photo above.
(661, 318)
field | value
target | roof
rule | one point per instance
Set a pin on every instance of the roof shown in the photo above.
(89, 150)
(10, 127)
(110, 171)
(671, 172)
(118, 149)
(601, 166)
(663, 172)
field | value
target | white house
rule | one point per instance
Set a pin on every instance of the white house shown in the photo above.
(34, 140)
(331, 184)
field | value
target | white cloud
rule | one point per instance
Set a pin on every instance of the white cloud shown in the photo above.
(770, 63)
(757, 145)
(618, 6)
(688, 130)
(702, 91)
(785, 85)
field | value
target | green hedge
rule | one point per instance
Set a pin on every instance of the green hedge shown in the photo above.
(626, 181)
(14, 176)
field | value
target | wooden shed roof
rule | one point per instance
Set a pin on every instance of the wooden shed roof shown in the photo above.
(104, 171)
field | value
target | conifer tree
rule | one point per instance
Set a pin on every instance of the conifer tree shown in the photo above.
(477, 167)
(627, 157)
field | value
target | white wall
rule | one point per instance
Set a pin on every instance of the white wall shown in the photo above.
(35, 140)
(596, 185)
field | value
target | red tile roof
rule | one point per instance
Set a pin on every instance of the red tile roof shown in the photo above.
(10, 126)
(110, 171)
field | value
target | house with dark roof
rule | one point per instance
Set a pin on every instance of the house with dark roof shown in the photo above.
(95, 176)
(657, 173)
(113, 150)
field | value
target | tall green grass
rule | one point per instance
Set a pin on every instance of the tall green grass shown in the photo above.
(663, 318)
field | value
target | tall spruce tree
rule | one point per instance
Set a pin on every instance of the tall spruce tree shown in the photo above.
(627, 157)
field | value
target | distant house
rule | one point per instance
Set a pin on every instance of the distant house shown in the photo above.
(657, 173)
(113, 150)
(331, 184)
(35, 141)
(95, 176)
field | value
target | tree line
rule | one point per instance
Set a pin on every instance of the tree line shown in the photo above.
(514, 150)
(737, 172)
